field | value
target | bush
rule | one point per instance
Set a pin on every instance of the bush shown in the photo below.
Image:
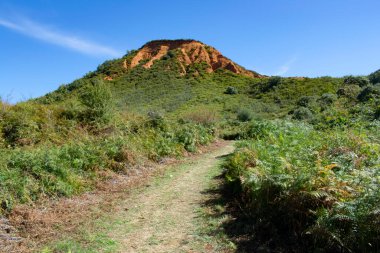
(374, 77)
(331, 119)
(168, 56)
(156, 120)
(257, 129)
(244, 115)
(274, 81)
(97, 99)
(306, 191)
(191, 136)
(270, 84)
(48, 171)
(356, 80)
(368, 93)
(22, 124)
(306, 101)
(26, 174)
(302, 113)
(377, 112)
(71, 110)
(349, 91)
(327, 99)
(231, 90)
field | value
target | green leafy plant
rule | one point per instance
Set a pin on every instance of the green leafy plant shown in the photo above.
(374, 77)
(356, 80)
(97, 98)
(244, 115)
(231, 90)
(302, 113)
(306, 189)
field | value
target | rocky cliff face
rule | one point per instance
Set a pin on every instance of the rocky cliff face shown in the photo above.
(187, 52)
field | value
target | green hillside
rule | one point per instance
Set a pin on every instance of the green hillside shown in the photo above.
(308, 151)
(163, 88)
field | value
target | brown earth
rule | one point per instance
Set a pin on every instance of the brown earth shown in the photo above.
(189, 52)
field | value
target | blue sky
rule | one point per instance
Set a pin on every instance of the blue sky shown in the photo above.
(46, 43)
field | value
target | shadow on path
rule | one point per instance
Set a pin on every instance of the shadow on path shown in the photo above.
(237, 227)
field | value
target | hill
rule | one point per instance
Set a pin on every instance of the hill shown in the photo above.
(162, 74)
(312, 143)
(174, 77)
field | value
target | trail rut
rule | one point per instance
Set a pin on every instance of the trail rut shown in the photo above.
(164, 217)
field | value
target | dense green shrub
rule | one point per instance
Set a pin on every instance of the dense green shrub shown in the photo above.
(60, 171)
(22, 124)
(97, 99)
(327, 99)
(374, 77)
(274, 81)
(349, 91)
(306, 101)
(257, 129)
(156, 120)
(192, 136)
(331, 119)
(169, 55)
(231, 90)
(369, 92)
(302, 113)
(27, 174)
(244, 115)
(112, 68)
(71, 110)
(377, 112)
(356, 80)
(270, 84)
(308, 191)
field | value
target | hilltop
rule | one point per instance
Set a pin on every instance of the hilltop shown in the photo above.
(186, 52)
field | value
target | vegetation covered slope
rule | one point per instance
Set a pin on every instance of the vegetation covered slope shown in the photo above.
(170, 97)
(308, 190)
(311, 184)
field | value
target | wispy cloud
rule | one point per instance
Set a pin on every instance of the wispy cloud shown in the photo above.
(42, 32)
(286, 66)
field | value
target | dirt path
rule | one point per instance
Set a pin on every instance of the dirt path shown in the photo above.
(165, 217)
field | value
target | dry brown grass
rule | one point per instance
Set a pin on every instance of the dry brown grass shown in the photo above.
(202, 116)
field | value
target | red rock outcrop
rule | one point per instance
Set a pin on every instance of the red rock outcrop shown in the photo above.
(188, 52)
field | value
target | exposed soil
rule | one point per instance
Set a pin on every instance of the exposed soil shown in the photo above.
(156, 218)
(190, 52)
